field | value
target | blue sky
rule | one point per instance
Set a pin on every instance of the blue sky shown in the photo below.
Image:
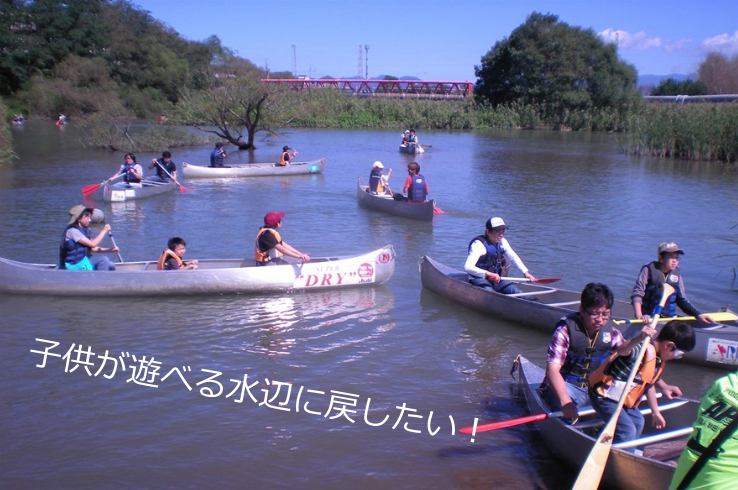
(443, 40)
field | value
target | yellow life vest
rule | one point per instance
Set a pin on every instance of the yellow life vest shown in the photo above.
(263, 257)
(163, 258)
(605, 385)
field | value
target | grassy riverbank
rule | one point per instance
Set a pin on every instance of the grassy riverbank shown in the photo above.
(690, 131)
(6, 147)
(329, 108)
(694, 131)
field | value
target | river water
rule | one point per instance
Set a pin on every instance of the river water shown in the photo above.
(379, 376)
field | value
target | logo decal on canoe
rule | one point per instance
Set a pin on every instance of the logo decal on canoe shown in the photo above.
(366, 270)
(384, 258)
(722, 351)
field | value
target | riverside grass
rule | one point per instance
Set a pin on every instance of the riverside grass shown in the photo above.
(695, 131)
(690, 131)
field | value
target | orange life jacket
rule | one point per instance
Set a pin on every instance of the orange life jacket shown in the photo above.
(282, 160)
(606, 386)
(163, 258)
(263, 257)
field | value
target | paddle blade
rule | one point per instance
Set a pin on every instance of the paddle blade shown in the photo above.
(183, 188)
(90, 189)
(547, 280)
(438, 210)
(504, 424)
(723, 316)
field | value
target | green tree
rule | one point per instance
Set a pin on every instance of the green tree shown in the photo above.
(561, 68)
(237, 104)
(670, 86)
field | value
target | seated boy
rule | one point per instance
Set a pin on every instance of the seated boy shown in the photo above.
(607, 383)
(171, 258)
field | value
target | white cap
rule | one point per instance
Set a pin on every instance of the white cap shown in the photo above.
(496, 222)
(378, 164)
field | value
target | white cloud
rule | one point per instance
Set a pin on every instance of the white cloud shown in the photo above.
(725, 43)
(672, 46)
(628, 40)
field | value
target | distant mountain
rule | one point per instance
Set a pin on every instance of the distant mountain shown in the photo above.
(653, 80)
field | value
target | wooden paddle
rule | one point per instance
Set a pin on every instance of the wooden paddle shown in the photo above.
(720, 316)
(540, 280)
(110, 234)
(181, 187)
(593, 468)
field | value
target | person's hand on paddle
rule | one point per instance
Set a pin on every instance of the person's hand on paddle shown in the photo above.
(646, 331)
(669, 391)
(530, 276)
(492, 277)
(570, 411)
(706, 319)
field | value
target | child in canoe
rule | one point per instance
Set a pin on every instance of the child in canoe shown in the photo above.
(171, 258)
(607, 383)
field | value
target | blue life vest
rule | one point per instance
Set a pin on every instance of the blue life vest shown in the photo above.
(216, 157)
(655, 288)
(71, 251)
(493, 260)
(170, 167)
(374, 178)
(128, 176)
(416, 192)
(584, 356)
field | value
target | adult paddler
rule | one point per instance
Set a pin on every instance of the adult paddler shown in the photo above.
(379, 183)
(269, 247)
(76, 245)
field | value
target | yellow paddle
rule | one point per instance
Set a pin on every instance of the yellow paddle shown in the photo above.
(591, 472)
(720, 316)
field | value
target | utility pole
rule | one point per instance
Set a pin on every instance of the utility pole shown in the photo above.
(366, 61)
(294, 60)
(360, 62)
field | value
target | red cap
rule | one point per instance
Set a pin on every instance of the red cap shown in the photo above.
(273, 218)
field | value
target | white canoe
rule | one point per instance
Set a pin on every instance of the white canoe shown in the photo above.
(421, 211)
(215, 276)
(122, 191)
(252, 170)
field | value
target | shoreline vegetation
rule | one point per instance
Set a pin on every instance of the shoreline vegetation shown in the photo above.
(697, 131)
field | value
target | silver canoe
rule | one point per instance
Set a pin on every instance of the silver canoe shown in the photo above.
(651, 470)
(252, 170)
(421, 211)
(412, 149)
(716, 346)
(215, 276)
(121, 191)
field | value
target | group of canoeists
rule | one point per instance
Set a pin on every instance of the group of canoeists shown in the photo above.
(415, 188)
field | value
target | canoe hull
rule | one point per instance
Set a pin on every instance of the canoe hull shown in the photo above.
(624, 469)
(252, 170)
(418, 211)
(121, 192)
(411, 149)
(215, 276)
(715, 347)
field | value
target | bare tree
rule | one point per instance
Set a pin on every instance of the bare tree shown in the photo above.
(719, 73)
(237, 104)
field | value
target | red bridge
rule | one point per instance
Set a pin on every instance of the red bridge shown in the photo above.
(383, 88)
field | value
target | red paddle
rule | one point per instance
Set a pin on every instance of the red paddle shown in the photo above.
(438, 210)
(91, 189)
